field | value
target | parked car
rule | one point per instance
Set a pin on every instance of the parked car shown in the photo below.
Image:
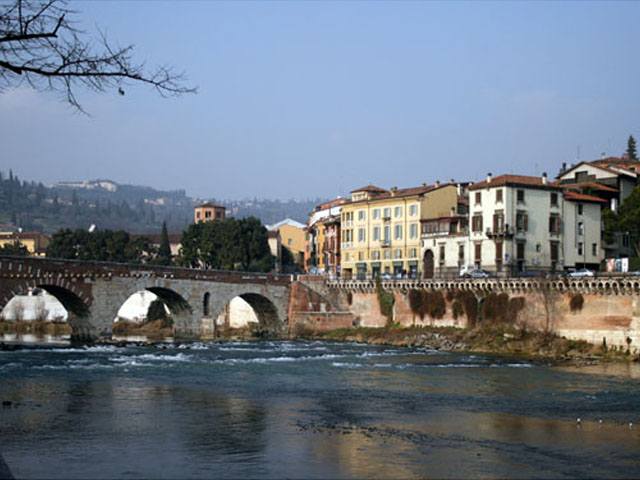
(479, 273)
(583, 272)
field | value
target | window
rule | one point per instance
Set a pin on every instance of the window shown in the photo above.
(398, 253)
(478, 252)
(461, 252)
(498, 222)
(580, 228)
(376, 255)
(413, 252)
(580, 209)
(397, 212)
(477, 223)
(594, 249)
(499, 252)
(387, 254)
(360, 256)
(387, 212)
(520, 196)
(348, 235)
(207, 214)
(442, 254)
(554, 251)
(376, 234)
(499, 195)
(478, 198)
(413, 230)
(522, 221)
(580, 248)
(362, 215)
(197, 214)
(290, 241)
(397, 234)
(520, 250)
(361, 235)
(376, 213)
(554, 199)
(387, 233)
(554, 223)
(413, 210)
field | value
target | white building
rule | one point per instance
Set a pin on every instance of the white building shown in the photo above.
(528, 224)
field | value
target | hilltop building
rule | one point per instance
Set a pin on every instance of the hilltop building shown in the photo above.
(207, 212)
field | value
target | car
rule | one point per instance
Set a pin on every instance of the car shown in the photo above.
(479, 273)
(583, 272)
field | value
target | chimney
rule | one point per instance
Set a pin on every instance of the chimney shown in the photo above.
(452, 181)
(489, 177)
(393, 191)
(437, 184)
(544, 178)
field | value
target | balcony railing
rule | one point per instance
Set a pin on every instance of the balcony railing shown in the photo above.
(500, 233)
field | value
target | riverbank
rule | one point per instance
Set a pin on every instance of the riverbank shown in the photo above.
(530, 345)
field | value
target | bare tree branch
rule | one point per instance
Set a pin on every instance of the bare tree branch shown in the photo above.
(41, 47)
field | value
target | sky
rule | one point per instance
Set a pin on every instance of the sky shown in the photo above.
(314, 99)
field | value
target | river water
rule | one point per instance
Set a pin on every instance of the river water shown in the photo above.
(310, 410)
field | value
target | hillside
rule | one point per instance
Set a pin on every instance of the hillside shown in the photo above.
(113, 206)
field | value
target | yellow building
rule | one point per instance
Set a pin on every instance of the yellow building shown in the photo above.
(292, 236)
(35, 242)
(381, 228)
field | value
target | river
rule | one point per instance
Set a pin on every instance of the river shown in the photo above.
(296, 409)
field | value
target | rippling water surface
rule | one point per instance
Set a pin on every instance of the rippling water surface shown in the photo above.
(310, 410)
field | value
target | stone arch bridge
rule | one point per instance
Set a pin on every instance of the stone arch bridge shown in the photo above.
(92, 292)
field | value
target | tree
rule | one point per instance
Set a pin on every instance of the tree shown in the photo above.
(627, 219)
(632, 153)
(41, 46)
(164, 252)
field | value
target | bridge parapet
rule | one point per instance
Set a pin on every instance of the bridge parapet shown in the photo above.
(36, 268)
(597, 286)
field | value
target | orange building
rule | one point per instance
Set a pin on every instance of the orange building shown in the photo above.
(208, 212)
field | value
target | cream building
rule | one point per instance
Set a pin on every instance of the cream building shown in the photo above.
(381, 228)
(528, 224)
(292, 236)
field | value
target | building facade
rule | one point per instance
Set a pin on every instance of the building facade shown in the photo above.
(207, 212)
(322, 243)
(381, 228)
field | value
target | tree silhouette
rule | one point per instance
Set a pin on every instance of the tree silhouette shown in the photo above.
(632, 153)
(41, 46)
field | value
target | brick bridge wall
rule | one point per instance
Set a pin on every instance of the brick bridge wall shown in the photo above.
(94, 291)
(610, 310)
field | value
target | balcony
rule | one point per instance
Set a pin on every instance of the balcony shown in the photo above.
(503, 233)
(385, 243)
(386, 219)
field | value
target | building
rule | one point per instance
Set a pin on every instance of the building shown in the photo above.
(611, 179)
(208, 212)
(292, 236)
(381, 228)
(445, 241)
(275, 247)
(35, 242)
(322, 242)
(528, 224)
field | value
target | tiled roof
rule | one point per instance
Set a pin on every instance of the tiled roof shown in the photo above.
(210, 205)
(594, 185)
(369, 188)
(568, 195)
(522, 180)
(604, 166)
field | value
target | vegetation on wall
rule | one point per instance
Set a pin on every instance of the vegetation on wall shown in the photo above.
(499, 309)
(386, 301)
(427, 302)
(576, 302)
(467, 303)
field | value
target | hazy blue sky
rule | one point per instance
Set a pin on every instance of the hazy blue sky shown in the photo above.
(306, 99)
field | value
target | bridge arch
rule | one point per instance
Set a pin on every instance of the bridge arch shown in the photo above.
(270, 323)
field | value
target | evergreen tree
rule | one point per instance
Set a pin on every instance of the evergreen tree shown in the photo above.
(632, 153)
(164, 252)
